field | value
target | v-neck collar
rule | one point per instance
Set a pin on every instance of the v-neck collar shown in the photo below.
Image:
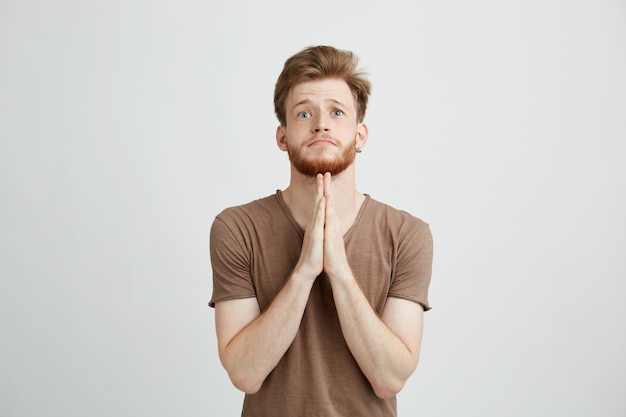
(292, 219)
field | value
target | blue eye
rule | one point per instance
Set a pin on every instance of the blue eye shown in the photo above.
(337, 113)
(304, 115)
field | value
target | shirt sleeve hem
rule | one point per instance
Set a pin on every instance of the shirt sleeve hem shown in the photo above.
(421, 302)
(229, 297)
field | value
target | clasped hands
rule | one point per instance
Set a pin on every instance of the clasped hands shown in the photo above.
(323, 247)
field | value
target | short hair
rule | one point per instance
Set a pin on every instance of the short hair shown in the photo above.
(319, 62)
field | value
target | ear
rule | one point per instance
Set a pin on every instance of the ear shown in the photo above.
(281, 139)
(361, 135)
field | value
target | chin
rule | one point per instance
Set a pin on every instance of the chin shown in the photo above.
(312, 167)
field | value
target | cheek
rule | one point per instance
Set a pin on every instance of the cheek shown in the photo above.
(297, 130)
(350, 130)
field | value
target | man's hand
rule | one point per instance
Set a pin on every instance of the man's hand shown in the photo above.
(323, 247)
(311, 262)
(386, 347)
(335, 260)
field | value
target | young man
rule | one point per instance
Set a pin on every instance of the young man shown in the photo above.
(319, 290)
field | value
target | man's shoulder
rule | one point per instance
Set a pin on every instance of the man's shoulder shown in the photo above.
(393, 215)
(252, 211)
(391, 224)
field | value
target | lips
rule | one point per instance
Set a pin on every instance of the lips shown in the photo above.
(322, 141)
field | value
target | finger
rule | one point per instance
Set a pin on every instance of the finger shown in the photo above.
(330, 216)
(327, 183)
(332, 223)
(319, 192)
(320, 217)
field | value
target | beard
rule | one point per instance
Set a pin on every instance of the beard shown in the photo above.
(312, 166)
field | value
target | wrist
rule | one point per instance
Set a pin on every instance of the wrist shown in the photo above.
(341, 274)
(301, 274)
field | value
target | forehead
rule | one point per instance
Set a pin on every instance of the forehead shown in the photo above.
(325, 89)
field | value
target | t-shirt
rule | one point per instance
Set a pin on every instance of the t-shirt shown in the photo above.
(254, 249)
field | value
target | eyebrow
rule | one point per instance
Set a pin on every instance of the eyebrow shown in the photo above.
(307, 101)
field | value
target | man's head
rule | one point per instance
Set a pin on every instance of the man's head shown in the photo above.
(316, 63)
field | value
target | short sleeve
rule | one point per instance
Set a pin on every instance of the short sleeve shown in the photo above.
(230, 262)
(413, 267)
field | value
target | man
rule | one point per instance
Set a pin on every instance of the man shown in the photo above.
(319, 290)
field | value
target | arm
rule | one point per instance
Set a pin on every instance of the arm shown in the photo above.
(387, 347)
(252, 343)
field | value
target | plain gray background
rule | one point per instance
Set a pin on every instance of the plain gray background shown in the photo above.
(126, 126)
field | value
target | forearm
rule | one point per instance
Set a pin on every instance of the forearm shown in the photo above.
(256, 350)
(383, 357)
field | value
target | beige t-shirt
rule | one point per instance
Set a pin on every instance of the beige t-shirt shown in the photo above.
(254, 248)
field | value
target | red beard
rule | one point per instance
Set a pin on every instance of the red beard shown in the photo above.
(312, 167)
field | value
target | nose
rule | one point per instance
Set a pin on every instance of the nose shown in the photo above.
(321, 123)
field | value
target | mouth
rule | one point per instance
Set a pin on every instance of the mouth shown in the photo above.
(322, 142)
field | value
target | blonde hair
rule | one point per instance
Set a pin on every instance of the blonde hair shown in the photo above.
(318, 62)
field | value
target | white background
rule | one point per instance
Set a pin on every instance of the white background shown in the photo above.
(126, 126)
